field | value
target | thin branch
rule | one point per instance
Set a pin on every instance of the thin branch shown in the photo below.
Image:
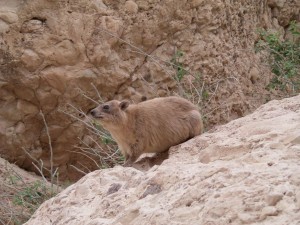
(40, 171)
(30, 156)
(51, 149)
(88, 150)
(85, 156)
(99, 96)
(96, 131)
(100, 147)
(79, 170)
(87, 97)
(74, 117)
(214, 92)
(84, 167)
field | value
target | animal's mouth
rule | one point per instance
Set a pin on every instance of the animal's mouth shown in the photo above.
(98, 116)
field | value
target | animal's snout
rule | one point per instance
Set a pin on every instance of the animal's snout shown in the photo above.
(96, 114)
(93, 112)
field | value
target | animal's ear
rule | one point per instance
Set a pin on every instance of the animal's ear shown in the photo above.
(124, 104)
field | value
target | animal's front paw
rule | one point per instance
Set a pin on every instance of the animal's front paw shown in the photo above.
(127, 164)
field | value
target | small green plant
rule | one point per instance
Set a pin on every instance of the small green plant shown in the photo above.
(33, 195)
(205, 95)
(284, 58)
(177, 65)
(21, 197)
(13, 179)
(105, 136)
(111, 155)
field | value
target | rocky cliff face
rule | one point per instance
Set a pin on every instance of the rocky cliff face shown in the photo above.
(244, 172)
(53, 51)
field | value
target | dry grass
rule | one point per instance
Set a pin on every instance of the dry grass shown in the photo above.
(98, 146)
(21, 194)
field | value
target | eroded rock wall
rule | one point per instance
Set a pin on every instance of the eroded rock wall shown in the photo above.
(51, 51)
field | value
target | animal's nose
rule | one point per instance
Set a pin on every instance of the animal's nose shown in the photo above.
(93, 112)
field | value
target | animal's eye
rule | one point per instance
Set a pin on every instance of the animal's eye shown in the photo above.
(106, 107)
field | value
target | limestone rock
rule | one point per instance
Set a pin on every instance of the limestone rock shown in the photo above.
(9, 17)
(276, 3)
(131, 6)
(236, 184)
(31, 59)
(4, 27)
(273, 198)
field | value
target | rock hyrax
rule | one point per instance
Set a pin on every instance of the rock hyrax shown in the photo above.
(149, 127)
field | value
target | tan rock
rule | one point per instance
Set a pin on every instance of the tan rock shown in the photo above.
(276, 3)
(8, 16)
(131, 7)
(24, 93)
(9, 112)
(246, 218)
(298, 198)
(63, 53)
(273, 198)
(31, 59)
(99, 4)
(47, 99)
(20, 128)
(27, 107)
(4, 27)
(268, 211)
(31, 26)
(254, 75)
(196, 3)
(56, 78)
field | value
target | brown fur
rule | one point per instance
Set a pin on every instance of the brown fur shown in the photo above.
(151, 126)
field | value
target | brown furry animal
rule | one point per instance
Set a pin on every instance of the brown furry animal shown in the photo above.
(151, 126)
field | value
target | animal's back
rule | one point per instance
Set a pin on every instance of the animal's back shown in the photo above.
(165, 122)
